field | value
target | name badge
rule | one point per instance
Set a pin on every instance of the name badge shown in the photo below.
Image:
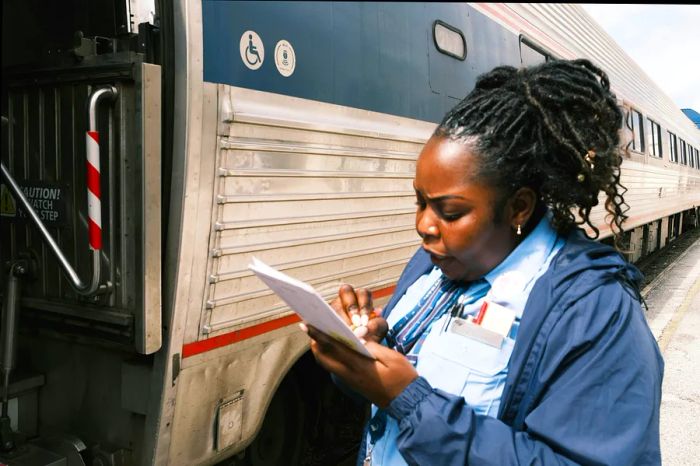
(496, 318)
(491, 325)
(469, 329)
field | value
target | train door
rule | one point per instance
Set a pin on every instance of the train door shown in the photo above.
(80, 223)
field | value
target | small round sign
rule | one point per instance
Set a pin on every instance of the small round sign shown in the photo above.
(285, 58)
(252, 50)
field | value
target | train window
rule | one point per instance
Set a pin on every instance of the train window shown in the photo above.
(655, 129)
(449, 40)
(691, 156)
(683, 154)
(637, 125)
(673, 145)
(531, 54)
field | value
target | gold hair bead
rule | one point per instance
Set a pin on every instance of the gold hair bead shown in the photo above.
(581, 178)
(590, 155)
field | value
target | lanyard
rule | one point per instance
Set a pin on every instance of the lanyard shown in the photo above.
(408, 334)
(407, 331)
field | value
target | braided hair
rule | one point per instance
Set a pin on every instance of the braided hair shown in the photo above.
(553, 128)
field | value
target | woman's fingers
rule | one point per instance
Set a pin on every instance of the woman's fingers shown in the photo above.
(333, 355)
(348, 299)
(349, 303)
(323, 341)
(380, 380)
(331, 346)
(377, 329)
(337, 306)
(358, 304)
(356, 308)
(364, 301)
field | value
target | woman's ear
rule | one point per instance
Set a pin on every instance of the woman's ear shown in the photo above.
(522, 205)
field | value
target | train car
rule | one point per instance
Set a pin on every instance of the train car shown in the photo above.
(151, 149)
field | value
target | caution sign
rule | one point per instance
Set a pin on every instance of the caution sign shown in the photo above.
(7, 202)
(47, 199)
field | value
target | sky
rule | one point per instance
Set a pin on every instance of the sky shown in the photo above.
(664, 40)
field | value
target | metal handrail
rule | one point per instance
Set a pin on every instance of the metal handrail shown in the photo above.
(76, 282)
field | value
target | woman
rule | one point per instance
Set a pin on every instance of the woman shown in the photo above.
(567, 371)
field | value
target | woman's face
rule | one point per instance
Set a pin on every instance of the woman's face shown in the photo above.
(455, 212)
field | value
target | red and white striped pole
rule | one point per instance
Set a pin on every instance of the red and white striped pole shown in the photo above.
(92, 144)
(92, 148)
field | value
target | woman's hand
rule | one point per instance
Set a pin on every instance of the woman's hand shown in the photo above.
(379, 380)
(356, 304)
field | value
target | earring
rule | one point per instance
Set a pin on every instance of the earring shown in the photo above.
(519, 232)
(432, 230)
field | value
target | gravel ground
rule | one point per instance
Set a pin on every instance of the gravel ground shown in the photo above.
(656, 262)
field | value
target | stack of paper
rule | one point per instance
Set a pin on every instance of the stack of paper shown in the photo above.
(306, 302)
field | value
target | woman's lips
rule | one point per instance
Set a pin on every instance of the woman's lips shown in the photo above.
(446, 264)
(437, 258)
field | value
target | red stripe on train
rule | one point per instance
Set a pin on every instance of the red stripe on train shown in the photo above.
(198, 347)
(382, 292)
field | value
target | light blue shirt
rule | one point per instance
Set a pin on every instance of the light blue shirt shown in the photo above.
(460, 365)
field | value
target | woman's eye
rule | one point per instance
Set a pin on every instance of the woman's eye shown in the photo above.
(451, 217)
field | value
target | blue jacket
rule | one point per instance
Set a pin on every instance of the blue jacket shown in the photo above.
(584, 379)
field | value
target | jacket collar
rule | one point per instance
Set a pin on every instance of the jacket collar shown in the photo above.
(419, 265)
(579, 254)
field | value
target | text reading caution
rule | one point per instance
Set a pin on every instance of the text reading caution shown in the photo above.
(47, 200)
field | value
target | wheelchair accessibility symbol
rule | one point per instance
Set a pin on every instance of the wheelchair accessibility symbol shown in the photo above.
(252, 50)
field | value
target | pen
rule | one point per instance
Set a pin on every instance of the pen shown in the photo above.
(456, 310)
(482, 312)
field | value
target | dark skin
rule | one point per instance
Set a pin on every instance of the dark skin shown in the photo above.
(463, 235)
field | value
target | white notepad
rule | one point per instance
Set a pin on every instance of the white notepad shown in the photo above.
(306, 302)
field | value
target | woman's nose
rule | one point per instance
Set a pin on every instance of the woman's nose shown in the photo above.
(426, 227)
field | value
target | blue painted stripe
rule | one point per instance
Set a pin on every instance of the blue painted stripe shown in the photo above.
(374, 56)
